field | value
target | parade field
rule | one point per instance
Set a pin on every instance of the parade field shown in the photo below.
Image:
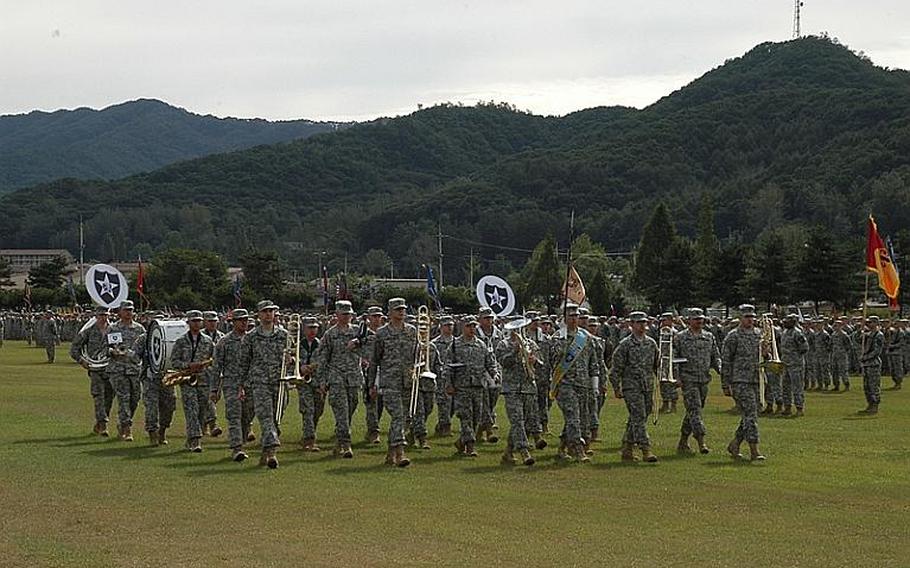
(835, 491)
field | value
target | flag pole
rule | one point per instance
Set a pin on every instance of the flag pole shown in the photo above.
(862, 331)
(565, 292)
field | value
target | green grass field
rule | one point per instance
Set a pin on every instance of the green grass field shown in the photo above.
(835, 491)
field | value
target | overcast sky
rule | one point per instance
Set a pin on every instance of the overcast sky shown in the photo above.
(358, 60)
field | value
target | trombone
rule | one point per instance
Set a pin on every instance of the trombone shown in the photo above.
(290, 369)
(421, 369)
(768, 356)
(665, 374)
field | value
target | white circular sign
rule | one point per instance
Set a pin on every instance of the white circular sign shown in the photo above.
(495, 293)
(106, 285)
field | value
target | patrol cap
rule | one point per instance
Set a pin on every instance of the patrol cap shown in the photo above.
(194, 315)
(747, 310)
(789, 317)
(397, 304)
(126, 305)
(374, 311)
(210, 316)
(239, 314)
(695, 313)
(266, 305)
(873, 319)
(309, 321)
(532, 315)
(571, 309)
(470, 320)
(343, 307)
(638, 317)
(446, 320)
(485, 312)
(592, 320)
(666, 315)
(583, 312)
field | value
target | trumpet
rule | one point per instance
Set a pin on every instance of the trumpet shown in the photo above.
(186, 376)
(421, 358)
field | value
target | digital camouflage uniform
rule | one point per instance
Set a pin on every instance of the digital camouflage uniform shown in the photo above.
(544, 372)
(841, 349)
(573, 392)
(261, 356)
(871, 364)
(810, 377)
(594, 403)
(124, 370)
(373, 407)
(49, 336)
(94, 340)
(341, 373)
(311, 401)
(210, 414)
(392, 364)
(739, 373)
(519, 391)
(493, 386)
(445, 403)
(895, 352)
(228, 382)
(469, 380)
(823, 358)
(701, 355)
(195, 397)
(793, 350)
(632, 374)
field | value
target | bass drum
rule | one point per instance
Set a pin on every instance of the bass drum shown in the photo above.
(161, 336)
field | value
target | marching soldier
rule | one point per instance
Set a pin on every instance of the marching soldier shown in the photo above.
(632, 376)
(372, 404)
(822, 355)
(442, 348)
(340, 374)
(896, 353)
(390, 369)
(739, 379)
(210, 328)
(490, 335)
(841, 349)
(598, 381)
(193, 352)
(519, 359)
(574, 365)
(700, 351)
(311, 399)
(870, 360)
(465, 378)
(228, 379)
(127, 339)
(545, 343)
(94, 341)
(774, 395)
(793, 349)
(261, 357)
(49, 335)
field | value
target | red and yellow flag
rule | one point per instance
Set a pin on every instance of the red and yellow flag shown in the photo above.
(878, 260)
(574, 288)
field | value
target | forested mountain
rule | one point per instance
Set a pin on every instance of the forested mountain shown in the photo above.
(124, 139)
(802, 132)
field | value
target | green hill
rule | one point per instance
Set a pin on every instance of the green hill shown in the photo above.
(124, 139)
(804, 131)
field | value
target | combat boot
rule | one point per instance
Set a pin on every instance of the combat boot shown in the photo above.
(206, 429)
(873, 409)
(683, 446)
(193, 445)
(733, 448)
(786, 411)
(459, 447)
(154, 440)
(127, 434)
(373, 438)
(422, 442)
(562, 452)
(401, 460)
(526, 457)
(799, 412)
(702, 447)
(539, 442)
(271, 460)
(216, 430)
(470, 450)
(491, 437)
(250, 436)
(390, 457)
(103, 431)
(508, 458)
(96, 429)
(580, 453)
(626, 453)
(647, 455)
(664, 407)
(238, 455)
(346, 452)
(594, 437)
(672, 407)
(754, 454)
(162, 436)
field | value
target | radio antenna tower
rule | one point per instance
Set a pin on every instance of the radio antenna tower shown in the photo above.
(797, 6)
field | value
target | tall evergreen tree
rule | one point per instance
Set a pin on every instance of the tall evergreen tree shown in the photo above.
(768, 270)
(706, 255)
(540, 278)
(650, 258)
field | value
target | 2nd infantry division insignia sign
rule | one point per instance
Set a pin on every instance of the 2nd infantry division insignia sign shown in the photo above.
(106, 285)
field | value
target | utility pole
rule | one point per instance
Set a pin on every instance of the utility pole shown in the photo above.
(81, 253)
(797, 6)
(439, 242)
(471, 269)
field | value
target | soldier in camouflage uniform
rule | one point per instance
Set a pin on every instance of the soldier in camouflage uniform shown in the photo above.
(810, 377)
(574, 364)
(870, 360)
(841, 349)
(261, 358)
(895, 350)
(740, 379)
(49, 335)
(371, 399)
(632, 377)
(210, 415)
(698, 348)
(228, 379)
(445, 403)
(125, 367)
(906, 347)
(669, 395)
(390, 369)
(490, 335)
(94, 341)
(519, 359)
(340, 374)
(192, 352)
(465, 378)
(310, 398)
(160, 401)
(545, 343)
(822, 355)
(774, 392)
(598, 381)
(793, 350)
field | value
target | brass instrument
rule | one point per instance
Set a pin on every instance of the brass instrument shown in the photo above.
(97, 362)
(517, 329)
(186, 376)
(665, 362)
(768, 356)
(290, 366)
(421, 358)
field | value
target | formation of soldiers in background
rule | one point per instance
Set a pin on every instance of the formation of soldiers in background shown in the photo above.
(238, 356)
